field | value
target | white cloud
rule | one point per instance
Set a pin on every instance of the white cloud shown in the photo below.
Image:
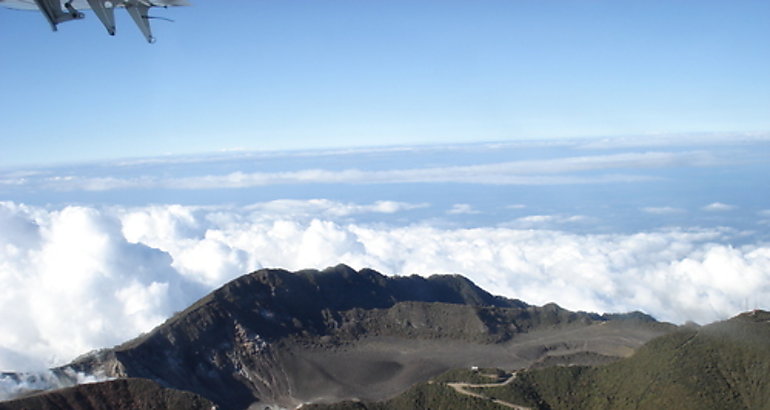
(611, 168)
(462, 209)
(663, 210)
(764, 217)
(13, 181)
(673, 140)
(239, 180)
(718, 207)
(69, 277)
(315, 207)
(79, 278)
(546, 221)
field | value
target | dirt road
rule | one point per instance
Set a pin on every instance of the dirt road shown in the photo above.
(461, 388)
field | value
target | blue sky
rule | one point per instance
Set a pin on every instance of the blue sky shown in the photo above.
(307, 74)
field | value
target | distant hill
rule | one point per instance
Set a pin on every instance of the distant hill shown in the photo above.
(725, 365)
(275, 337)
(122, 394)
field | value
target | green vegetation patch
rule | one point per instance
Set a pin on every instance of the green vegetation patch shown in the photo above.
(473, 376)
(725, 366)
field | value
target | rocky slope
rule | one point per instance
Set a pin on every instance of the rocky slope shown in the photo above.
(279, 338)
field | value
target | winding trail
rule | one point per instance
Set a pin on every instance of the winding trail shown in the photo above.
(461, 388)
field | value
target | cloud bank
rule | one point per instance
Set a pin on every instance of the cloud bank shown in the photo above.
(622, 167)
(79, 278)
(718, 207)
(663, 210)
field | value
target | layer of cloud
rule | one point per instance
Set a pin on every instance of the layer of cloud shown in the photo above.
(328, 208)
(571, 170)
(676, 140)
(546, 221)
(462, 209)
(79, 278)
(764, 217)
(663, 210)
(718, 207)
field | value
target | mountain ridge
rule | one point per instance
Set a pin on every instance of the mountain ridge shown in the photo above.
(280, 338)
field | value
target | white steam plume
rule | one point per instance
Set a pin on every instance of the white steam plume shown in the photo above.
(15, 385)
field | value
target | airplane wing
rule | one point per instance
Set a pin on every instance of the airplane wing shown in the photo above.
(59, 11)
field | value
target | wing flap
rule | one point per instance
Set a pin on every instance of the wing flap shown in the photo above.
(138, 11)
(105, 10)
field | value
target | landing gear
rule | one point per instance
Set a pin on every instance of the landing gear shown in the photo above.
(76, 15)
(54, 14)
